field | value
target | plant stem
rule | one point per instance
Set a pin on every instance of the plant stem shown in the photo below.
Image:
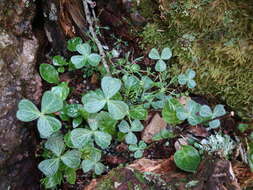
(94, 36)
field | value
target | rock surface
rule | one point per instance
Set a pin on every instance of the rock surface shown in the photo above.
(18, 49)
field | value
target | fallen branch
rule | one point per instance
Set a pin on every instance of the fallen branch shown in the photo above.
(94, 36)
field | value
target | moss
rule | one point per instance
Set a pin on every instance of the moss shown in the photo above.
(148, 8)
(213, 37)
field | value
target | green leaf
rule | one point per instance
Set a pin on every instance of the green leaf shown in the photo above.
(80, 137)
(50, 103)
(130, 81)
(49, 73)
(72, 43)
(78, 61)
(94, 59)
(191, 83)
(131, 138)
(72, 110)
(163, 134)
(83, 49)
(160, 66)
(154, 54)
(71, 158)
(110, 86)
(205, 111)
(59, 61)
(194, 119)
(94, 101)
(214, 124)
(50, 166)
(182, 79)
(124, 127)
(27, 111)
(219, 111)
(187, 158)
(169, 112)
(147, 82)
(118, 109)
(55, 143)
(102, 139)
(166, 54)
(87, 165)
(190, 73)
(70, 174)
(133, 147)
(76, 122)
(47, 125)
(53, 181)
(95, 155)
(106, 123)
(138, 112)
(99, 168)
(138, 154)
(61, 90)
(136, 126)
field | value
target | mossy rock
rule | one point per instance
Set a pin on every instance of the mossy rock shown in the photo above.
(215, 38)
(122, 179)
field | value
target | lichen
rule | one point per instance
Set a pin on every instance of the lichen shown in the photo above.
(213, 37)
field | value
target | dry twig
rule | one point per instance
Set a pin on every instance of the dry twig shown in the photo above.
(94, 36)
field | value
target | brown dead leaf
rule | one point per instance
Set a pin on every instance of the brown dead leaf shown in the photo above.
(115, 159)
(155, 126)
(161, 166)
(198, 131)
(92, 185)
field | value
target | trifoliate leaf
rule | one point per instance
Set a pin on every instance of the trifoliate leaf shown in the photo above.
(182, 79)
(61, 90)
(191, 83)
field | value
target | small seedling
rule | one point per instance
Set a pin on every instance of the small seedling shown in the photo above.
(138, 149)
(86, 56)
(46, 124)
(206, 112)
(187, 78)
(130, 137)
(96, 100)
(165, 55)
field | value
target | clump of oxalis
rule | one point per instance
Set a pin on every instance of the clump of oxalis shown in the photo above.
(110, 114)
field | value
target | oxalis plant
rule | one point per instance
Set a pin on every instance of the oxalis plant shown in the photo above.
(111, 113)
